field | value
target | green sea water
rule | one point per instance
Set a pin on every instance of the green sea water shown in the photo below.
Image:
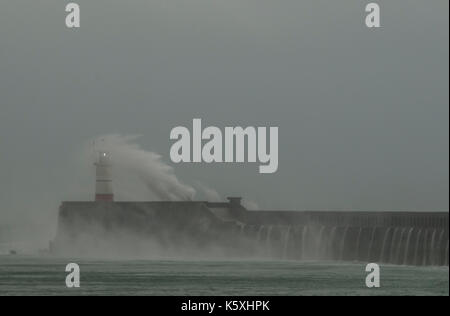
(31, 275)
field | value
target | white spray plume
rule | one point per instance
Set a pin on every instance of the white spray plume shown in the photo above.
(129, 158)
(208, 193)
(132, 166)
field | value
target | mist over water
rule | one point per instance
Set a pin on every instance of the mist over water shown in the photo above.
(138, 175)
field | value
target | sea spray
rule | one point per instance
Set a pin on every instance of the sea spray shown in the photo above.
(128, 158)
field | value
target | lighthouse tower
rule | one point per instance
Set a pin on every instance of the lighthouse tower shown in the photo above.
(103, 178)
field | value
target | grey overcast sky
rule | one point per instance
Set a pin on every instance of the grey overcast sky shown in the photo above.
(362, 113)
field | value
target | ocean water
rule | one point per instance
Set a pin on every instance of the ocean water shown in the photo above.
(31, 275)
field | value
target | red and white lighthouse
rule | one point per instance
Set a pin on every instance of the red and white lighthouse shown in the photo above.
(103, 178)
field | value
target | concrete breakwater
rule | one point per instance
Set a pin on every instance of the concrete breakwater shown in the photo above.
(227, 229)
